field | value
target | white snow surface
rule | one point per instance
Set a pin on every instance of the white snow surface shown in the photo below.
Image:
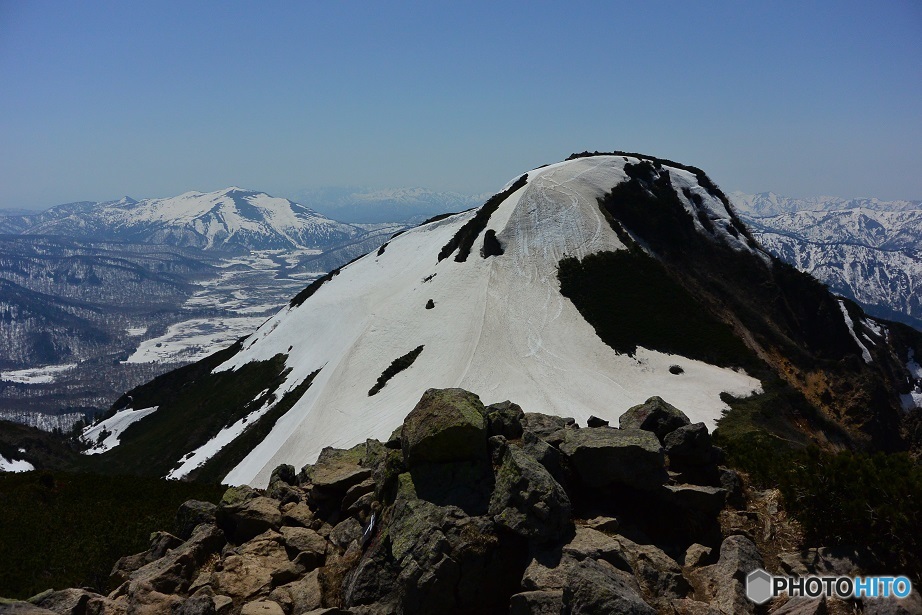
(36, 375)
(500, 328)
(865, 354)
(113, 426)
(16, 465)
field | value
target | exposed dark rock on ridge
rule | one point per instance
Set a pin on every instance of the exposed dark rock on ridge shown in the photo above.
(466, 509)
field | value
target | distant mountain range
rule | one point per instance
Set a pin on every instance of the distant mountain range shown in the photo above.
(232, 220)
(865, 249)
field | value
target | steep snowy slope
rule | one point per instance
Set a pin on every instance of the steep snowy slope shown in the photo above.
(230, 219)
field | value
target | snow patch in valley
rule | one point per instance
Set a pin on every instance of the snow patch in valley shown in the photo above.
(500, 328)
(16, 465)
(192, 340)
(136, 331)
(36, 375)
(111, 429)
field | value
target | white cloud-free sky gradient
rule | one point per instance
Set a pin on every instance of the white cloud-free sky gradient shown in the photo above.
(101, 99)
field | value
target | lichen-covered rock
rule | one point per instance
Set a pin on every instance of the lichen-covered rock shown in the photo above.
(336, 469)
(592, 544)
(527, 500)
(504, 419)
(604, 456)
(598, 587)
(446, 425)
(654, 415)
(545, 454)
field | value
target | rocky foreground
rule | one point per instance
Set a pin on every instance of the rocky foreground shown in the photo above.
(473, 509)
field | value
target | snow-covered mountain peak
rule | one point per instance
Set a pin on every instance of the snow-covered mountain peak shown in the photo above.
(498, 326)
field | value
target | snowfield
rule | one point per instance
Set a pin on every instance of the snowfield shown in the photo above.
(111, 429)
(499, 328)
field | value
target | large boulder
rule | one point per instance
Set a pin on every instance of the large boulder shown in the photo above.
(173, 573)
(604, 456)
(543, 425)
(336, 470)
(527, 500)
(654, 415)
(193, 513)
(446, 425)
(598, 587)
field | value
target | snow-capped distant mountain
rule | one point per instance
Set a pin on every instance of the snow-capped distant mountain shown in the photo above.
(583, 288)
(865, 249)
(767, 204)
(232, 219)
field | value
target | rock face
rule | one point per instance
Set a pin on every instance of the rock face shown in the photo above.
(466, 509)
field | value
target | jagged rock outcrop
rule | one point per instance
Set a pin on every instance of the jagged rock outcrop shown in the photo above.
(466, 509)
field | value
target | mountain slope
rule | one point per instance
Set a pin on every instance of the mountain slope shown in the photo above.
(494, 321)
(231, 219)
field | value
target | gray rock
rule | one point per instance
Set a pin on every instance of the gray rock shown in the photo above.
(685, 606)
(504, 419)
(597, 587)
(173, 572)
(704, 501)
(298, 514)
(262, 607)
(197, 605)
(588, 543)
(543, 425)
(160, 544)
(595, 421)
(249, 518)
(305, 546)
(20, 607)
(910, 605)
(696, 555)
(191, 514)
(345, 532)
(689, 445)
(66, 601)
(654, 415)
(730, 481)
(545, 602)
(604, 456)
(299, 596)
(608, 525)
(527, 500)
(725, 582)
(336, 470)
(545, 454)
(446, 425)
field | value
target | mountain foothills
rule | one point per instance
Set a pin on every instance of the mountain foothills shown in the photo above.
(867, 250)
(582, 288)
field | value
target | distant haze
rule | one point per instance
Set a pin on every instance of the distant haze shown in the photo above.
(103, 99)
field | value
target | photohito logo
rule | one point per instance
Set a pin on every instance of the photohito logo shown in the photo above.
(762, 587)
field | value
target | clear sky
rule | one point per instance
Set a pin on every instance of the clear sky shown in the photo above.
(101, 99)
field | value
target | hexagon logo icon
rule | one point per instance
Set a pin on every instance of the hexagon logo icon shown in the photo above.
(759, 586)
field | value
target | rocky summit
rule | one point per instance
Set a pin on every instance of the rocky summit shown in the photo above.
(469, 508)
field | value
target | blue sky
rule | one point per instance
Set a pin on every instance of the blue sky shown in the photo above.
(101, 99)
